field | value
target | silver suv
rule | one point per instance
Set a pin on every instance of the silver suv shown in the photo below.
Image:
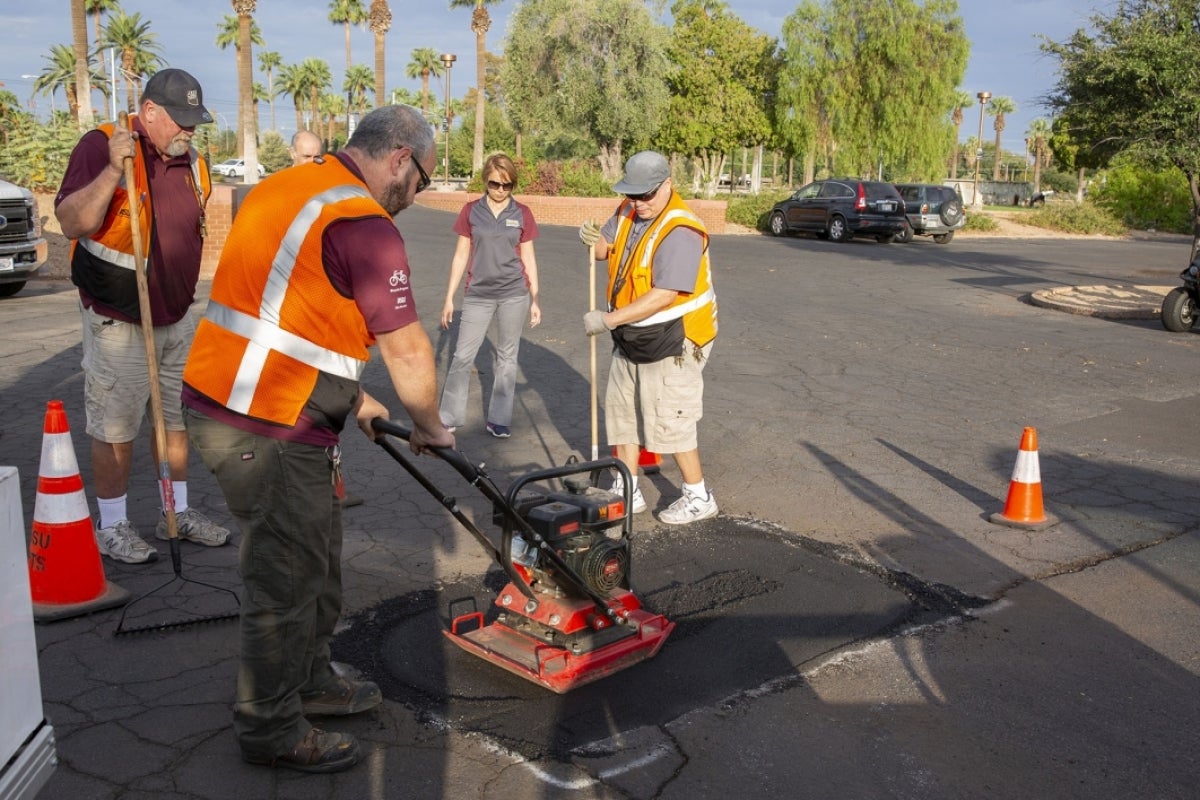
(932, 210)
(23, 251)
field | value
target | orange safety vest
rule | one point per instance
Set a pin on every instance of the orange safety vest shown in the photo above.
(109, 251)
(274, 320)
(699, 307)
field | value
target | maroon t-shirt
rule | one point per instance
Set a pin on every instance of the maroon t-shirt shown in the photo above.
(175, 243)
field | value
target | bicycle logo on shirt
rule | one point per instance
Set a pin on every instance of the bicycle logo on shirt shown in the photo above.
(399, 278)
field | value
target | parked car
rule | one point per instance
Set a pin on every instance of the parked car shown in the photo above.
(23, 250)
(236, 168)
(839, 208)
(932, 210)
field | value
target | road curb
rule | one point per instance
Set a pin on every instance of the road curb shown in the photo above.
(1109, 302)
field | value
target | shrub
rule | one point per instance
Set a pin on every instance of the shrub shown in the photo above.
(1146, 199)
(752, 210)
(1086, 218)
(980, 222)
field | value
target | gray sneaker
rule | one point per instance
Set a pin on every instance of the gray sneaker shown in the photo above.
(121, 542)
(195, 527)
(689, 508)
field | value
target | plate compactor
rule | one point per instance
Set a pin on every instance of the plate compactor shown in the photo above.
(567, 616)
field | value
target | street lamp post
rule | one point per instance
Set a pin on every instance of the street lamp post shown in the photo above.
(447, 60)
(977, 200)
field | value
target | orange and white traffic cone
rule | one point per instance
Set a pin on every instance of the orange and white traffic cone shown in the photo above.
(66, 578)
(1023, 509)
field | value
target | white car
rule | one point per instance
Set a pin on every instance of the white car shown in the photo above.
(235, 168)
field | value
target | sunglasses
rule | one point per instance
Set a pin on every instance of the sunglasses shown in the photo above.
(642, 198)
(423, 183)
(496, 186)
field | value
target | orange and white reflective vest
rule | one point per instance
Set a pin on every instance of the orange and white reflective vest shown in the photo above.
(274, 319)
(106, 269)
(699, 308)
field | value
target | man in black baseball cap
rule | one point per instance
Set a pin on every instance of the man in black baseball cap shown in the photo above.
(180, 94)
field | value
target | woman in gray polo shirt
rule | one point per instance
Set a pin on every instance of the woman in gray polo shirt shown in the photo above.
(495, 251)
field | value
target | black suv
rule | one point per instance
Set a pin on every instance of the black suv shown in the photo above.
(838, 208)
(932, 210)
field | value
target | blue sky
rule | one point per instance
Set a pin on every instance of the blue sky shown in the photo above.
(1004, 49)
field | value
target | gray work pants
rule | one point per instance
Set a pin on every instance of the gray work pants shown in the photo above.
(511, 315)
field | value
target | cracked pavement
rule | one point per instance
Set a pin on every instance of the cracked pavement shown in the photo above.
(863, 409)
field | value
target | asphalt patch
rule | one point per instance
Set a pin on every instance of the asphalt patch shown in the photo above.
(750, 604)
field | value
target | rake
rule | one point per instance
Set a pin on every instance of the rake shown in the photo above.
(160, 429)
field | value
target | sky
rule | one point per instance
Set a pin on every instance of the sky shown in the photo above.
(1004, 58)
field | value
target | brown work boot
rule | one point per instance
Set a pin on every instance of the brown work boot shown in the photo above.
(318, 751)
(342, 696)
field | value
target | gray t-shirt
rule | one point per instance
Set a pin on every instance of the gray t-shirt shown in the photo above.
(495, 270)
(677, 259)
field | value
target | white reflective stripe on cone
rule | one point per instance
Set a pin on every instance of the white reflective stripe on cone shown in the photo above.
(1026, 469)
(58, 456)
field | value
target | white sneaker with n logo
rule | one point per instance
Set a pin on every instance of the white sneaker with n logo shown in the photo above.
(689, 508)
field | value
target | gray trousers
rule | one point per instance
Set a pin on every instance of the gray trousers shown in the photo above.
(281, 495)
(511, 315)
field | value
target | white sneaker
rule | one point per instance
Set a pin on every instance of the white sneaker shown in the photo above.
(121, 542)
(639, 502)
(195, 527)
(689, 508)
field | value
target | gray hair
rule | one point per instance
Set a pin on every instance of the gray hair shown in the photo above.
(389, 127)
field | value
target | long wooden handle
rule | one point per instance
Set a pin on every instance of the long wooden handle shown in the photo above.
(147, 322)
(592, 345)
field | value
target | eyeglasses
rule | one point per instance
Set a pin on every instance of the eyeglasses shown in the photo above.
(642, 198)
(422, 184)
(496, 186)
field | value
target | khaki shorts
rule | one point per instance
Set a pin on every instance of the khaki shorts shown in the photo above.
(656, 405)
(116, 385)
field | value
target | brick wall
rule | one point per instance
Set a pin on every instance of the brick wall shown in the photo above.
(573, 210)
(546, 210)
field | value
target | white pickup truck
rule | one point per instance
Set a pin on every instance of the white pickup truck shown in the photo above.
(23, 250)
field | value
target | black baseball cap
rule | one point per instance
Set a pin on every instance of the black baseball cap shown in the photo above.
(180, 94)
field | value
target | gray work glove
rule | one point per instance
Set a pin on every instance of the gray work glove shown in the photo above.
(594, 324)
(589, 233)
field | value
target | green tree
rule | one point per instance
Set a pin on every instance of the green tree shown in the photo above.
(359, 80)
(1133, 88)
(379, 20)
(138, 48)
(347, 13)
(962, 101)
(850, 90)
(720, 81)
(598, 68)
(292, 84)
(316, 77)
(268, 62)
(60, 73)
(229, 32)
(1039, 139)
(424, 63)
(480, 22)
(998, 108)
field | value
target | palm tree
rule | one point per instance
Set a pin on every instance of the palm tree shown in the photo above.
(96, 9)
(1039, 134)
(268, 62)
(317, 78)
(480, 22)
(379, 21)
(84, 115)
(130, 35)
(347, 13)
(229, 32)
(359, 80)
(331, 107)
(962, 100)
(292, 84)
(998, 108)
(425, 62)
(60, 74)
(248, 145)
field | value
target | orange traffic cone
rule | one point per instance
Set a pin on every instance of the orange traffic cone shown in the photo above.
(648, 460)
(66, 578)
(1023, 509)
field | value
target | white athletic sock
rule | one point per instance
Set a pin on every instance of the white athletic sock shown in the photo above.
(697, 489)
(179, 488)
(112, 510)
